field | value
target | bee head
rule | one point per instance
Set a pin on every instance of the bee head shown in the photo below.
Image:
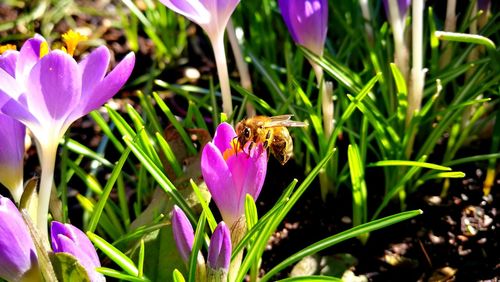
(243, 133)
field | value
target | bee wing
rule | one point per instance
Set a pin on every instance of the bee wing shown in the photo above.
(284, 120)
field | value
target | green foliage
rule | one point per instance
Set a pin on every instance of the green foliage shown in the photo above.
(371, 134)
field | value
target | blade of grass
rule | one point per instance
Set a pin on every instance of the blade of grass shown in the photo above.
(340, 237)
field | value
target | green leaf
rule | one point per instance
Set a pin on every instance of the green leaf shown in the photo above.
(68, 268)
(311, 278)
(96, 215)
(340, 237)
(114, 254)
(466, 38)
(410, 163)
(359, 194)
(177, 276)
(258, 247)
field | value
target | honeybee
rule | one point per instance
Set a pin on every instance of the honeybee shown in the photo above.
(272, 132)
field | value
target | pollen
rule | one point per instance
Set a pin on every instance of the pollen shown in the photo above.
(44, 49)
(235, 148)
(71, 39)
(7, 47)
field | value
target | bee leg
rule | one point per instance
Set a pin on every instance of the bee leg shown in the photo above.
(268, 136)
(250, 146)
(237, 147)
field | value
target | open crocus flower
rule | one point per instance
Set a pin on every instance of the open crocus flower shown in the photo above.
(307, 22)
(212, 16)
(50, 90)
(230, 173)
(18, 259)
(68, 239)
(12, 142)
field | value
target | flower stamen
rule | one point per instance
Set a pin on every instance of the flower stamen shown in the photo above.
(71, 39)
(44, 49)
(7, 47)
(235, 148)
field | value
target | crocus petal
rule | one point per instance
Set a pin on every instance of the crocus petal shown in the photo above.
(19, 112)
(224, 136)
(307, 22)
(220, 182)
(69, 239)
(9, 87)
(8, 62)
(219, 251)
(483, 4)
(403, 7)
(12, 155)
(183, 233)
(29, 55)
(54, 87)
(211, 15)
(249, 173)
(93, 68)
(108, 87)
(17, 251)
(193, 10)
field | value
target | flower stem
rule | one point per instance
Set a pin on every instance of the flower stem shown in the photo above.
(242, 66)
(365, 10)
(417, 72)
(326, 100)
(220, 61)
(450, 25)
(398, 31)
(47, 159)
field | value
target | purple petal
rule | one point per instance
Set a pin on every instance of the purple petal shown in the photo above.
(483, 4)
(287, 18)
(29, 55)
(249, 173)
(54, 87)
(12, 155)
(193, 10)
(108, 87)
(19, 112)
(17, 251)
(403, 7)
(220, 182)
(69, 239)
(307, 22)
(224, 135)
(9, 87)
(183, 233)
(219, 251)
(93, 68)
(8, 62)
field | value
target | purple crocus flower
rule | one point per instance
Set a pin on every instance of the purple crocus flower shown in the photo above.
(211, 15)
(307, 22)
(231, 173)
(12, 143)
(66, 238)
(403, 7)
(219, 251)
(483, 4)
(50, 90)
(18, 257)
(183, 233)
